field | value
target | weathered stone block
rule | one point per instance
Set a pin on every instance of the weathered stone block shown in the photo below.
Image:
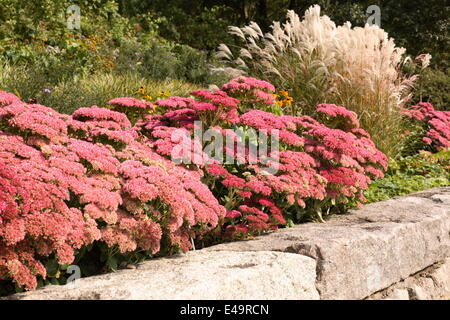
(199, 275)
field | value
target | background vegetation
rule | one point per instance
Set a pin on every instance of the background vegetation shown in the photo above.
(410, 174)
(176, 39)
(157, 48)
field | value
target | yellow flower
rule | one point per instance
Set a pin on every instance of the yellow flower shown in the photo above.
(287, 102)
(279, 103)
(275, 95)
(141, 90)
(147, 97)
(284, 93)
(164, 93)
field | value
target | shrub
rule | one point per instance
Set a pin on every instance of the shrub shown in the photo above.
(319, 62)
(202, 25)
(163, 60)
(37, 34)
(433, 86)
(44, 53)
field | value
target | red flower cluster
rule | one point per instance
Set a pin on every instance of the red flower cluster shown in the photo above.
(133, 108)
(250, 91)
(435, 123)
(66, 181)
(348, 160)
(317, 166)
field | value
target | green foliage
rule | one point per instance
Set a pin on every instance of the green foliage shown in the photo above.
(410, 174)
(41, 41)
(200, 24)
(203, 24)
(37, 33)
(434, 86)
(420, 27)
(165, 60)
(83, 91)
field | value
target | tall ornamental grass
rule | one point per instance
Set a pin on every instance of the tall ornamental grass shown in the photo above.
(319, 62)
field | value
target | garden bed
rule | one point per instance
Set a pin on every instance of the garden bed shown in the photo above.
(113, 155)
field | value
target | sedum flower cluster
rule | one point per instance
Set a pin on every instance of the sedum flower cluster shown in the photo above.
(321, 163)
(434, 125)
(67, 181)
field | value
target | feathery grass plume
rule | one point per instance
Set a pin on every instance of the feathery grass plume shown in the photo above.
(319, 62)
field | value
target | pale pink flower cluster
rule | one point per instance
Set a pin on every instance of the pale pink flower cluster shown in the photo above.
(67, 181)
(130, 103)
(340, 117)
(133, 108)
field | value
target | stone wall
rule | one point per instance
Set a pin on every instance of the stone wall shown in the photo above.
(433, 283)
(395, 249)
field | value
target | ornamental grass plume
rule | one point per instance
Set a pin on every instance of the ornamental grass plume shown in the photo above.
(319, 62)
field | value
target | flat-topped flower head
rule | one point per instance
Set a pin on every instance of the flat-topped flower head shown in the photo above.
(95, 113)
(7, 98)
(435, 124)
(130, 102)
(338, 117)
(250, 90)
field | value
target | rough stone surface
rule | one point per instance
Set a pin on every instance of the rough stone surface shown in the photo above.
(354, 256)
(199, 275)
(433, 283)
(361, 253)
(398, 294)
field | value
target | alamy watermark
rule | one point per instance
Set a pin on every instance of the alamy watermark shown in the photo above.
(375, 15)
(238, 146)
(75, 274)
(73, 17)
